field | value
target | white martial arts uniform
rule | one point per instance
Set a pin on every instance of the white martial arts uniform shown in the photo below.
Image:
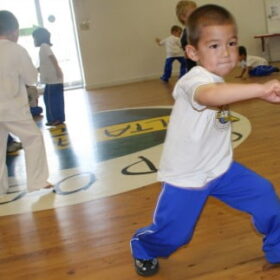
(16, 71)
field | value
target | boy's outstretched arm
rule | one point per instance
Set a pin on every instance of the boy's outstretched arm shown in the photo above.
(222, 93)
(158, 41)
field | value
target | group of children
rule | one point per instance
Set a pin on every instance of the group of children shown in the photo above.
(252, 66)
(174, 52)
(175, 44)
(197, 159)
(18, 100)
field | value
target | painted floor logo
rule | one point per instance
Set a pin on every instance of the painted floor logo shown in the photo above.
(117, 152)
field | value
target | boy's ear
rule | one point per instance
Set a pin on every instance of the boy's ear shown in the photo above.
(191, 52)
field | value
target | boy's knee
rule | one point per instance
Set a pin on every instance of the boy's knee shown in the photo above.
(265, 186)
(269, 199)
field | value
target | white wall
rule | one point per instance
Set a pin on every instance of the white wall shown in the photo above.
(119, 44)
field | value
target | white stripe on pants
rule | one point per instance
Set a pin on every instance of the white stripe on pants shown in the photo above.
(35, 154)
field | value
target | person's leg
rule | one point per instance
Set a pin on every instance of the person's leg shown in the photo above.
(57, 103)
(35, 155)
(174, 220)
(48, 104)
(183, 66)
(245, 190)
(10, 139)
(167, 69)
(3, 167)
(12, 145)
(262, 70)
(61, 110)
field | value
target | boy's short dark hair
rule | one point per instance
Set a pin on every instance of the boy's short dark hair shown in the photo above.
(41, 35)
(176, 28)
(8, 22)
(207, 15)
(242, 51)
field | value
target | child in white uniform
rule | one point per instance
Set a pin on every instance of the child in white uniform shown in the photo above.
(197, 159)
(16, 71)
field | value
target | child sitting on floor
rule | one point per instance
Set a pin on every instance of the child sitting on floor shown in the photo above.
(255, 66)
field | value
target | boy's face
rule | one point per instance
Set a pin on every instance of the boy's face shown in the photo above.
(242, 57)
(177, 33)
(217, 49)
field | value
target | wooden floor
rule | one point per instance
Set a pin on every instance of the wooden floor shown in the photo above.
(90, 241)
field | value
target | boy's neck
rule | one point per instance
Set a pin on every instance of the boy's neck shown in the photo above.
(12, 36)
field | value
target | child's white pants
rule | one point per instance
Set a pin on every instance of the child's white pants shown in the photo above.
(35, 154)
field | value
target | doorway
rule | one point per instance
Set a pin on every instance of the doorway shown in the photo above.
(58, 18)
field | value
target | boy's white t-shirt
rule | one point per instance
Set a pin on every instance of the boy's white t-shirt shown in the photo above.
(197, 147)
(172, 46)
(48, 73)
(253, 61)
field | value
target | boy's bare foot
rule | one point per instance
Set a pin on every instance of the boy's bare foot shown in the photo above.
(268, 266)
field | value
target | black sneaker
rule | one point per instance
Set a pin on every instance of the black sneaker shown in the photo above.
(146, 267)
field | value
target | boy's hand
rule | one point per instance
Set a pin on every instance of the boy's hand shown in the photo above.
(240, 77)
(158, 41)
(272, 91)
(59, 73)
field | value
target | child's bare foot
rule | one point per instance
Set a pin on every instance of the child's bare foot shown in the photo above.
(268, 266)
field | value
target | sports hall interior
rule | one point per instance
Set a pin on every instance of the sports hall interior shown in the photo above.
(121, 65)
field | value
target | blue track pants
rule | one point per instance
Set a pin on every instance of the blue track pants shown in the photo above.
(178, 210)
(168, 67)
(54, 102)
(263, 70)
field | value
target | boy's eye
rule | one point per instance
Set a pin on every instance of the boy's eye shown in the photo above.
(233, 43)
(213, 46)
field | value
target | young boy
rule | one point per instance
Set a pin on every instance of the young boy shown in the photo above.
(197, 157)
(183, 10)
(255, 66)
(52, 76)
(173, 52)
(16, 71)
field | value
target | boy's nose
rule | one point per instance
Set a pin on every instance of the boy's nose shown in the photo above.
(226, 51)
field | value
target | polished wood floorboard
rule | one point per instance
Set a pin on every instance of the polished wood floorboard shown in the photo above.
(90, 241)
